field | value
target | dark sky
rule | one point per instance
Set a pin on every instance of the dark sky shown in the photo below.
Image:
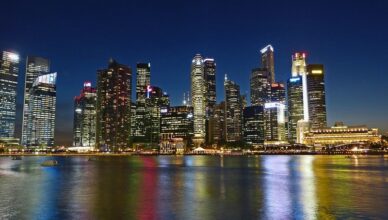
(349, 37)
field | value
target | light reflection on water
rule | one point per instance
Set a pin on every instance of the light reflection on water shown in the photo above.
(195, 187)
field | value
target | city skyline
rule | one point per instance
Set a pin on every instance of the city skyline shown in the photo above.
(342, 54)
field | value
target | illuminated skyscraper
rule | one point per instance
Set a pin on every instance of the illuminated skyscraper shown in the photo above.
(298, 64)
(9, 71)
(233, 111)
(41, 117)
(84, 126)
(278, 93)
(274, 120)
(210, 95)
(316, 95)
(198, 88)
(113, 107)
(142, 81)
(295, 105)
(156, 100)
(267, 61)
(35, 67)
(253, 121)
(260, 86)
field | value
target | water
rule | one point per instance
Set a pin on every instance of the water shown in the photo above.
(195, 187)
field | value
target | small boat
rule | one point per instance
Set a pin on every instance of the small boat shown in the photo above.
(49, 163)
(16, 158)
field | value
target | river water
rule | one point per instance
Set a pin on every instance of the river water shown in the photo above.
(195, 187)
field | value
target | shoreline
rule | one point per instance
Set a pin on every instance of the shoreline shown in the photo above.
(139, 154)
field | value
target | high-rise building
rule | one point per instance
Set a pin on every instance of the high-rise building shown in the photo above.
(113, 107)
(35, 67)
(217, 124)
(274, 120)
(41, 117)
(316, 95)
(9, 71)
(198, 99)
(253, 121)
(295, 105)
(143, 79)
(209, 67)
(278, 93)
(233, 111)
(298, 64)
(260, 86)
(267, 61)
(156, 100)
(84, 126)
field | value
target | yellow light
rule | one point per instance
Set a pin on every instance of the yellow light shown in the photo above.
(316, 71)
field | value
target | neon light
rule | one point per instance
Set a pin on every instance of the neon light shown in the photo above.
(316, 71)
(296, 79)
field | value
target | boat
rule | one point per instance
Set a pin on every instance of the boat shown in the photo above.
(16, 158)
(49, 163)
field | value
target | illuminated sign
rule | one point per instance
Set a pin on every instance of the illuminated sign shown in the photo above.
(46, 79)
(190, 115)
(149, 90)
(163, 110)
(78, 110)
(265, 49)
(297, 79)
(274, 105)
(316, 72)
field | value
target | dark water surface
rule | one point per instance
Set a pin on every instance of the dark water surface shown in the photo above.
(195, 187)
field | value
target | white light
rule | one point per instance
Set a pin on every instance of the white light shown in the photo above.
(274, 105)
(13, 57)
(78, 110)
(265, 49)
(305, 98)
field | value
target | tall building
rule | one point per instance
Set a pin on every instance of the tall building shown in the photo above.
(155, 101)
(9, 71)
(274, 120)
(295, 105)
(316, 95)
(84, 126)
(233, 111)
(260, 86)
(143, 79)
(278, 93)
(267, 61)
(198, 99)
(217, 124)
(253, 121)
(298, 64)
(113, 107)
(35, 67)
(41, 117)
(209, 67)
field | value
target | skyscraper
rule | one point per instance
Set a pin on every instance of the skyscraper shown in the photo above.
(295, 105)
(210, 95)
(274, 120)
(198, 88)
(84, 126)
(267, 61)
(41, 117)
(113, 107)
(143, 79)
(156, 99)
(233, 111)
(260, 86)
(298, 64)
(316, 95)
(9, 71)
(253, 121)
(35, 67)
(278, 93)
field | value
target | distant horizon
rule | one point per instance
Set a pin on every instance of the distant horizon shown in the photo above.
(349, 42)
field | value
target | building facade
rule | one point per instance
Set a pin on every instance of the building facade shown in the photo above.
(260, 86)
(198, 99)
(9, 72)
(316, 95)
(113, 107)
(35, 67)
(267, 61)
(42, 107)
(233, 111)
(274, 121)
(143, 79)
(253, 125)
(84, 126)
(295, 105)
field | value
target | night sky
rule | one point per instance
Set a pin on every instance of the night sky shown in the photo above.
(348, 37)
